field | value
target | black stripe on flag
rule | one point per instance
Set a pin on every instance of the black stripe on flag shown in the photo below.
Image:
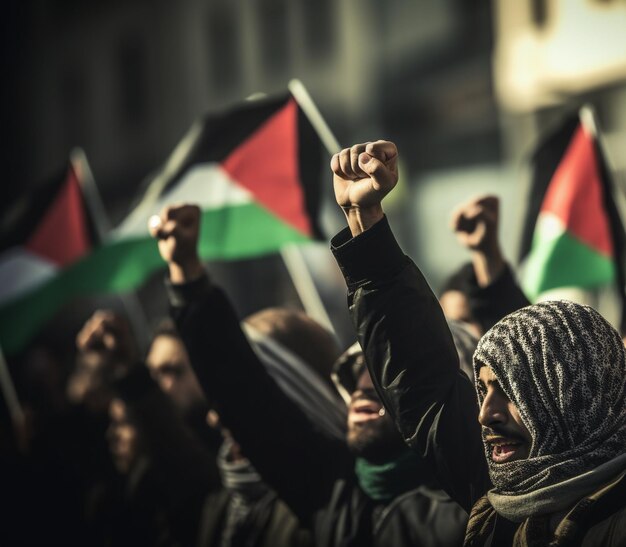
(225, 130)
(21, 216)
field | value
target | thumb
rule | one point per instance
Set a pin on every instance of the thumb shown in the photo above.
(155, 225)
(383, 177)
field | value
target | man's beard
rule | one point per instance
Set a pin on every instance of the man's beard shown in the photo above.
(377, 441)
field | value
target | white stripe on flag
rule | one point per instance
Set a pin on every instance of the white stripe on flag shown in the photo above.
(206, 185)
(22, 271)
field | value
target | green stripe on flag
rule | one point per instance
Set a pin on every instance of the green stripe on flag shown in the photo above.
(563, 261)
(241, 231)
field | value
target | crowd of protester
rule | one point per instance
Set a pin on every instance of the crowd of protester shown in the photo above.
(468, 419)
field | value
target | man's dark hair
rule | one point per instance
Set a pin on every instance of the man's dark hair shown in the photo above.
(300, 334)
(165, 327)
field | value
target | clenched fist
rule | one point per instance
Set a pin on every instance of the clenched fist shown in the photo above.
(363, 175)
(177, 229)
(476, 226)
(109, 333)
(476, 223)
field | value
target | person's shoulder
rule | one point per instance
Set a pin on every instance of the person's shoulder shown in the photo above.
(608, 532)
(607, 521)
(422, 513)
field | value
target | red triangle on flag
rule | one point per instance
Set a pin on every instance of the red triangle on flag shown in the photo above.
(266, 164)
(62, 235)
(576, 195)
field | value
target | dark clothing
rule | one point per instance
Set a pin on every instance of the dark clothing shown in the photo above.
(597, 520)
(247, 512)
(411, 357)
(269, 524)
(310, 471)
(165, 489)
(501, 297)
(58, 492)
(177, 497)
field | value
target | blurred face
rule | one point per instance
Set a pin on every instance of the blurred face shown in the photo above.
(89, 382)
(122, 437)
(503, 429)
(455, 305)
(169, 365)
(371, 431)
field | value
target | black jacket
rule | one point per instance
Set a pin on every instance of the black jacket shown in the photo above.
(311, 472)
(410, 355)
(501, 297)
(412, 359)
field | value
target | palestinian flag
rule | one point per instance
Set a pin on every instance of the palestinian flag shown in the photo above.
(254, 170)
(573, 233)
(43, 233)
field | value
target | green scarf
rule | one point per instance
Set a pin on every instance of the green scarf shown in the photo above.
(386, 481)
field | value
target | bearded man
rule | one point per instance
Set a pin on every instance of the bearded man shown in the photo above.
(378, 494)
(550, 380)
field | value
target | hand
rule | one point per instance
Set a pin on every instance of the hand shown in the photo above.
(476, 226)
(363, 175)
(109, 333)
(177, 230)
(476, 223)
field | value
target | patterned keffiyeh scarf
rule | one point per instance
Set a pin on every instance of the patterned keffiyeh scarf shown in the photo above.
(564, 368)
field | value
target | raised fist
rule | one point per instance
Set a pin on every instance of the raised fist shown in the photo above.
(363, 175)
(476, 227)
(109, 333)
(177, 230)
(476, 223)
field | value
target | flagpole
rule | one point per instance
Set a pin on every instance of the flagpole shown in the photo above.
(173, 163)
(130, 301)
(589, 120)
(9, 393)
(302, 97)
(305, 286)
(291, 254)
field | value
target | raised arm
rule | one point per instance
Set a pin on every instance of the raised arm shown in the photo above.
(407, 343)
(297, 460)
(495, 292)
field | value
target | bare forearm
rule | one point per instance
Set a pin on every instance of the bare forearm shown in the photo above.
(487, 266)
(361, 219)
(186, 272)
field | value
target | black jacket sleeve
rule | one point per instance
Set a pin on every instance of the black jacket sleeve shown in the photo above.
(501, 297)
(412, 358)
(296, 459)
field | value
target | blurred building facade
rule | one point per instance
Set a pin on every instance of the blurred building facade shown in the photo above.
(125, 80)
